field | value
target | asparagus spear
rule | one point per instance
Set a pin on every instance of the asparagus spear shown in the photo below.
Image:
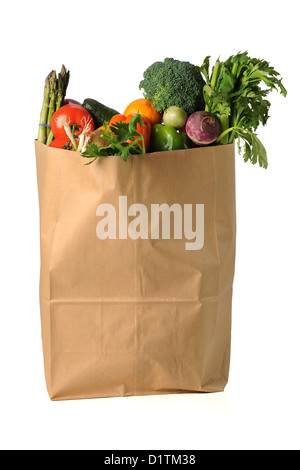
(42, 135)
(62, 85)
(52, 104)
(63, 82)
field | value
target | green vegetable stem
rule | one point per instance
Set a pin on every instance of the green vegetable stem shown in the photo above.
(54, 95)
(234, 94)
(58, 97)
(42, 135)
(53, 85)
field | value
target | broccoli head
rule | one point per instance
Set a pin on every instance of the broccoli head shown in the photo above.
(174, 83)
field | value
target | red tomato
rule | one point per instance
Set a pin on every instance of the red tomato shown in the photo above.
(63, 143)
(74, 116)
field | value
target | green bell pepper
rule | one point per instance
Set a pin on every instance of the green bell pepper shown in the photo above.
(164, 138)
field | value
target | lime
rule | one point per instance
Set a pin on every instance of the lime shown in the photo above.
(175, 117)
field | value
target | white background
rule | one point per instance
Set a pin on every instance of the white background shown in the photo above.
(107, 46)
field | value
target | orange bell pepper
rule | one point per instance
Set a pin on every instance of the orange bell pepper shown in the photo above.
(117, 118)
(145, 130)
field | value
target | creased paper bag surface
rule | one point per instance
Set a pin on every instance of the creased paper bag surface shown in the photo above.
(137, 269)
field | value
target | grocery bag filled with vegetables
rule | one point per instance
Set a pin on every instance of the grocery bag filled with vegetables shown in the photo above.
(138, 227)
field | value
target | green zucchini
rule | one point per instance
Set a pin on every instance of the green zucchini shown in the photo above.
(99, 112)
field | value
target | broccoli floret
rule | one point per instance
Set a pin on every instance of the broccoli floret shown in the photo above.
(174, 83)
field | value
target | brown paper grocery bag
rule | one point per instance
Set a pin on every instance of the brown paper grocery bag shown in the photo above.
(137, 269)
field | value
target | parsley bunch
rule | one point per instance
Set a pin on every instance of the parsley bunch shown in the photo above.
(234, 94)
(124, 140)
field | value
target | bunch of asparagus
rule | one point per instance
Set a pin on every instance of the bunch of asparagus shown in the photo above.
(54, 95)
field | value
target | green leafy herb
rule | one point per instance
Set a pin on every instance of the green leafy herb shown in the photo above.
(124, 140)
(234, 94)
